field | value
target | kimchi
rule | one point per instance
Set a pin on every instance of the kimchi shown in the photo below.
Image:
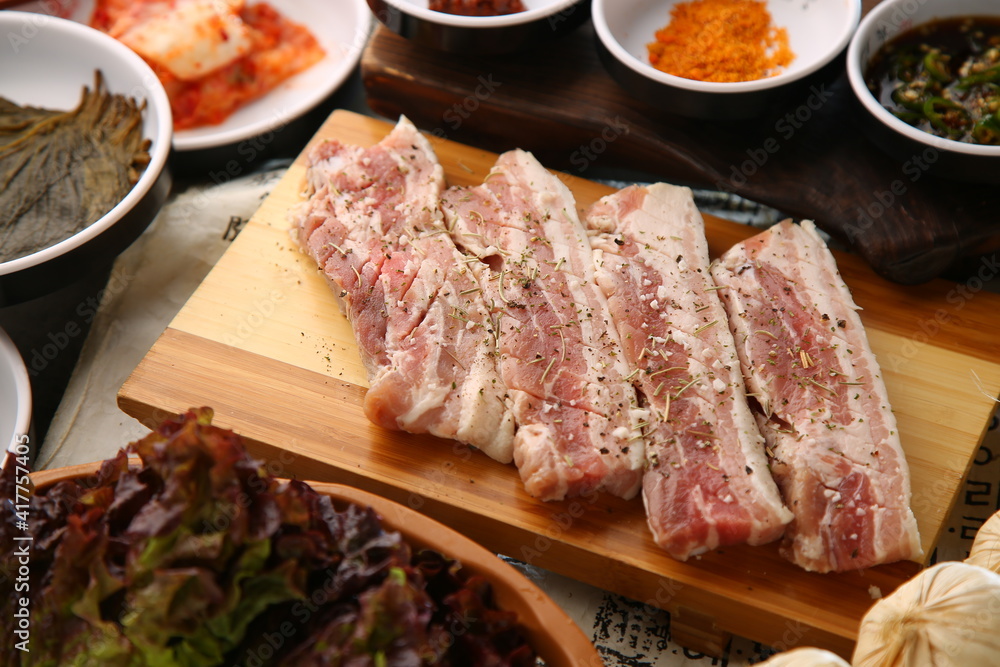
(212, 56)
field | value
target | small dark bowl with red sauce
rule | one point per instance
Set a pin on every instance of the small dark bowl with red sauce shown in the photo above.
(927, 79)
(481, 27)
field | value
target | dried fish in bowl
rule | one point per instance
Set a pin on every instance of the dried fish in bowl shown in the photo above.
(61, 171)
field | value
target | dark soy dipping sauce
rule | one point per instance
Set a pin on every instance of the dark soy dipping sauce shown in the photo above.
(943, 77)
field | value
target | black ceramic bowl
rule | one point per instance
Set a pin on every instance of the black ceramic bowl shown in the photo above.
(914, 148)
(49, 67)
(818, 34)
(541, 21)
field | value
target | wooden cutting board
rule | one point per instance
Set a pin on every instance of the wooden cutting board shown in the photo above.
(807, 157)
(263, 343)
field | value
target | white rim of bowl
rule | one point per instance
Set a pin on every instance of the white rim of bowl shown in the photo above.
(457, 21)
(162, 137)
(22, 384)
(856, 76)
(650, 72)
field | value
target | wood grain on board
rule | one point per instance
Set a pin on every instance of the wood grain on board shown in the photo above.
(262, 342)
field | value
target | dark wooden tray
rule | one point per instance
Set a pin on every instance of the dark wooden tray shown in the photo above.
(808, 159)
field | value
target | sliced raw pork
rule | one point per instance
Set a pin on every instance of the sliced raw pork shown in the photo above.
(372, 224)
(832, 437)
(559, 351)
(707, 483)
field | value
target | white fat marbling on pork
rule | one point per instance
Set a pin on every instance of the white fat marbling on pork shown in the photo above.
(559, 352)
(825, 412)
(372, 223)
(706, 483)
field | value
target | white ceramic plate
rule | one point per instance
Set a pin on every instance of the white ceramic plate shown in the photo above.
(15, 398)
(342, 28)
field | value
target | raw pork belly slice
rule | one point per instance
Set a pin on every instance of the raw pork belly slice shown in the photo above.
(832, 437)
(577, 422)
(706, 483)
(373, 225)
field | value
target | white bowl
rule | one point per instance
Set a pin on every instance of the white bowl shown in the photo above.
(541, 21)
(944, 157)
(15, 401)
(46, 62)
(818, 32)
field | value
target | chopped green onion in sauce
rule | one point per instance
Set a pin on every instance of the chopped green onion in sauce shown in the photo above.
(943, 77)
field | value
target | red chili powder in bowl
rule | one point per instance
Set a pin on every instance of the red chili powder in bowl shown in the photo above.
(721, 40)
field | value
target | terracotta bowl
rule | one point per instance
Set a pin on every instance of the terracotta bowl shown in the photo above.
(550, 631)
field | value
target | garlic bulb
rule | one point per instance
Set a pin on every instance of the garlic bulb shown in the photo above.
(806, 657)
(986, 547)
(946, 616)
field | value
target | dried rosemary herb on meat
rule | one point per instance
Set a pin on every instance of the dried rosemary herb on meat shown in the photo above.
(61, 171)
